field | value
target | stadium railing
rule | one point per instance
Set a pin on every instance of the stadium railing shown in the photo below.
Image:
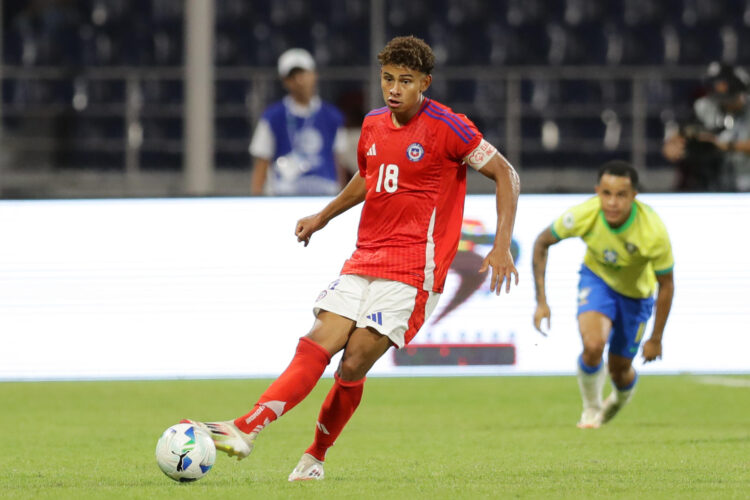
(117, 131)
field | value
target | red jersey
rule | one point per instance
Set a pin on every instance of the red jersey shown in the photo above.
(416, 184)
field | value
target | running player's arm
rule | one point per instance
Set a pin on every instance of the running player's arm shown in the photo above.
(652, 347)
(507, 189)
(353, 194)
(539, 263)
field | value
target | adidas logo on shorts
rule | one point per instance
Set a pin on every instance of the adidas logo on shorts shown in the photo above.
(376, 318)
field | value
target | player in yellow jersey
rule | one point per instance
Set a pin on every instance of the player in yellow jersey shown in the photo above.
(628, 253)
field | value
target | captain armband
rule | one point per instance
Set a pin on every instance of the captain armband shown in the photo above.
(481, 155)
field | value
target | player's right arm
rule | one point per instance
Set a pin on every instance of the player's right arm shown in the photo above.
(353, 194)
(539, 262)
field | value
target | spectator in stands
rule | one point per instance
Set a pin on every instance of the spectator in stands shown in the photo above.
(712, 150)
(352, 105)
(296, 141)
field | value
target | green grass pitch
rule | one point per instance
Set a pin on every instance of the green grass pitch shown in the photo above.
(499, 437)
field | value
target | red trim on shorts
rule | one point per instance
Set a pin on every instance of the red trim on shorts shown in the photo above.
(416, 320)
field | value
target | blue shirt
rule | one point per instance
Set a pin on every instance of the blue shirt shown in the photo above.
(303, 161)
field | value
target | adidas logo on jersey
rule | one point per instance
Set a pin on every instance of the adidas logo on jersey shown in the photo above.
(371, 151)
(376, 318)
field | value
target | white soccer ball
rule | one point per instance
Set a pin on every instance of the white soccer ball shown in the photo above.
(185, 452)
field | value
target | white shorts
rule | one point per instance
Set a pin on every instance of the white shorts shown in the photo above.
(392, 308)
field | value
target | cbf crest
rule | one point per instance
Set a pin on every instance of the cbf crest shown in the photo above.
(415, 151)
(610, 256)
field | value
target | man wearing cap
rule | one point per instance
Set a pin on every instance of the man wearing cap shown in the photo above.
(297, 139)
(713, 150)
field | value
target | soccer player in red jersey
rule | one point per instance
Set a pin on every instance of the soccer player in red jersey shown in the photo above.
(413, 155)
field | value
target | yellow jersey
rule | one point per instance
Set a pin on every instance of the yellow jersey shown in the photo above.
(628, 257)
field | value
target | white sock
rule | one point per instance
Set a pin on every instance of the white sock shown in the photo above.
(591, 383)
(624, 395)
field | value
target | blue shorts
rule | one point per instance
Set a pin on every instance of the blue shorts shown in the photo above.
(628, 315)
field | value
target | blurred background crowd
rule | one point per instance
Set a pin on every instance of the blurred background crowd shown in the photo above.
(94, 92)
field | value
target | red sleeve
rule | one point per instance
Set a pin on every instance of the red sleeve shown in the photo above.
(461, 137)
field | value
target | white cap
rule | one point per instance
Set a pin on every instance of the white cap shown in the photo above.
(295, 58)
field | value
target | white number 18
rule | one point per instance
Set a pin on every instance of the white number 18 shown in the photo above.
(389, 181)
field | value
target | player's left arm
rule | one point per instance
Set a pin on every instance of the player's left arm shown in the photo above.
(652, 347)
(508, 186)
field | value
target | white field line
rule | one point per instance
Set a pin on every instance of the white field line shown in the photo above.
(724, 381)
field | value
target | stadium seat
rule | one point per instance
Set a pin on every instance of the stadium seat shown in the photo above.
(490, 96)
(532, 12)
(408, 18)
(460, 91)
(742, 33)
(233, 128)
(616, 92)
(252, 33)
(232, 158)
(231, 92)
(699, 44)
(167, 47)
(704, 12)
(539, 93)
(580, 92)
(643, 45)
(156, 91)
(161, 128)
(108, 92)
(226, 51)
(585, 43)
(154, 158)
(528, 44)
(635, 13)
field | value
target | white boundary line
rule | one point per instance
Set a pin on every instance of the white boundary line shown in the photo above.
(724, 381)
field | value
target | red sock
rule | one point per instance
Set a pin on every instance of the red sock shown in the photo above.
(337, 409)
(289, 389)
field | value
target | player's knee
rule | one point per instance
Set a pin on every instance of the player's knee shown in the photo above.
(621, 375)
(621, 378)
(330, 331)
(621, 381)
(352, 368)
(593, 348)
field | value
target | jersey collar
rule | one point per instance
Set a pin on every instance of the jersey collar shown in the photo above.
(425, 102)
(625, 225)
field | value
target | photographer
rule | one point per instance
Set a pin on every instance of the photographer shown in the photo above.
(712, 151)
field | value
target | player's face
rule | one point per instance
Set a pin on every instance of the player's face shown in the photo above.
(402, 89)
(617, 195)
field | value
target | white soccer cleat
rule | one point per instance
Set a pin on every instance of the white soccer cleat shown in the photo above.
(610, 408)
(308, 468)
(590, 419)
(227, 437)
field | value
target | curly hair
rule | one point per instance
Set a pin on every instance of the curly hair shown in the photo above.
(410, 52)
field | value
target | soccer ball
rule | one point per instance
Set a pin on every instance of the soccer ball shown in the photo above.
(185, 452)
